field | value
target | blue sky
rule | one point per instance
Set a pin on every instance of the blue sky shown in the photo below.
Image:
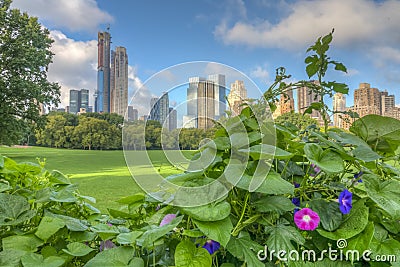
(254, 37)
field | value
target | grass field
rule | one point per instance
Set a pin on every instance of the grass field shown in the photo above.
(100, 174)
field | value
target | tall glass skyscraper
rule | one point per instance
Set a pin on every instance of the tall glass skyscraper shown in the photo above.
(119, 81)
(103, 73)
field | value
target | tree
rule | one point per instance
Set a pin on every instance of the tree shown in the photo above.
(24, 58)
(302, 121)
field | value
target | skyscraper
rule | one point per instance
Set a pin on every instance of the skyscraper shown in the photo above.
(173, 119)
(206, 104)
(78, 101)
(119, 81)
(304, 99)
(205, 101)
(237, 96)
(103, 73)
(219, 94)
(367, 100)
(387, 102)
(339, 105)
(74, 101)
(160, 110)
(133, 114)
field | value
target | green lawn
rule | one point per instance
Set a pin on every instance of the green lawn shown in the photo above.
(100, 174)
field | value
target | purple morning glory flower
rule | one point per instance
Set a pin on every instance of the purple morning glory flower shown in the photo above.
(358, 175)
(296, 185)
(108, 244)
(167, 219)
(316, 170)
(296, 201)
(211, 246)
(345, 199)
(296, 210)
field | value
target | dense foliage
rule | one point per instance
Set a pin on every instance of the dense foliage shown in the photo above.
(293, 197)
(24, 58)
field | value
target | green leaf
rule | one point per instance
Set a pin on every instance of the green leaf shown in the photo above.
(82, 236)
(381, 133)
(28, 243)
(312, 69)
(151, 235)
(365, 153)
(239, 140)
(14, 209)
(193, 233)
(245, 250)
(329, 213)
(362, 241)
(1, 161)
(271, 184)
(34, 260)
(128, 238)
(264, 151)
(221, 143)
(11, 257)
(136, 262)
(386, 194)
(115, 257)
(219, 230)
(77, 249)
(281, 237)
(187, 255)
(210, 212)
(65, 193)
(328, 160)
(57, 177)
(279, 204)
(105, 231)
(353, 223)
(4, 187)
(49, 226)
(136, 198)
(72, 224)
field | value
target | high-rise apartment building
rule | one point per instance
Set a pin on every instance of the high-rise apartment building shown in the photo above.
(387, 102)
(173, 119)
(339, 105)
(219, 94)
(205, 101)
(237, 97)
(119, 81)
(160, 109)
(78, 101)
(102, 94)
(285, 104)
(367, 100)
(133, 114)
(206, 106)
(305, 96)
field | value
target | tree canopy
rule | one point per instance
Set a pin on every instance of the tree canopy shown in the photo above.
(24, 59)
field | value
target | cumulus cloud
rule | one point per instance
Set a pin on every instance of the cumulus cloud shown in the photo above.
(260, 73)
(74, 15)
(139, 93)
(74, 65)
(355, 22)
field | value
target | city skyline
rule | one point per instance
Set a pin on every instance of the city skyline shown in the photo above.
(254, 37)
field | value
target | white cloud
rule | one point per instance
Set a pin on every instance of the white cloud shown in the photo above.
(74, 65)
(75, 15)
(355, 22)
(351, 72)
(139, 94)
(260, 73)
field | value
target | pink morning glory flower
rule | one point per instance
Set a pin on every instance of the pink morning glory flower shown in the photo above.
(167, 219)
(315, 171)
(306, 219)
(345, 199)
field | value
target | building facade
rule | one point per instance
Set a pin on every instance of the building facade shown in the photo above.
(237, 97)
(339, 105)
(387, 103)
(133, 114)
(367, 100)
(172, 119)
(159, 110)
(102, 95)
(119, 81)
(78, 101)
(305, 97)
